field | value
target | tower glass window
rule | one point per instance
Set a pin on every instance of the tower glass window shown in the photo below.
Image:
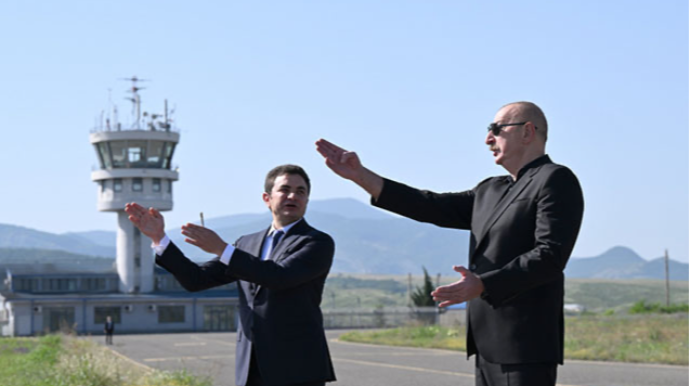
(155, 154)
(119, 152)
(169, 149)
(136, 154)
(137, 185)
(104, 155)
(156, 187)
(117, 184)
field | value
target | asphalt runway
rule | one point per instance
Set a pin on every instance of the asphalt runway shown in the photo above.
(213, 354)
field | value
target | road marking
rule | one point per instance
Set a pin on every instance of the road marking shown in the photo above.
(130, 360)
(436, 351)
(410, 368)
(190, 344)
(214, 341)
(400, 367)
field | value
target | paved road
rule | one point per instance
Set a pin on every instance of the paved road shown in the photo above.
(213, 354)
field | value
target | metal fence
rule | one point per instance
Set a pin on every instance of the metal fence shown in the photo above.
(390, 317)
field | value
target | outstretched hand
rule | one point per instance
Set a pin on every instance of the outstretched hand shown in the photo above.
(344, 163)
(467, 288)
(204, 238)
(149, 221)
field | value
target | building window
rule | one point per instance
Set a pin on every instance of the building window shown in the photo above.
(100, 313)
(59, 319)
(104, 155)
(136, 154)
(24, 285)
(60, 285)
(156, 185)
(169, 186)
(102, 182)
(170, 314)
(119, 152)
(93, 284)
(155, 155)
(117, 184)
(168, 153)
(137, 185)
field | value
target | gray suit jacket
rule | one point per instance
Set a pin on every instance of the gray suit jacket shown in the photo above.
(279, 299)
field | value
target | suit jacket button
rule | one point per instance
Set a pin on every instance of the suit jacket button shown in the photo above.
(473, 267)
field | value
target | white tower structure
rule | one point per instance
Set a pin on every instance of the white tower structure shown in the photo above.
(135, 166)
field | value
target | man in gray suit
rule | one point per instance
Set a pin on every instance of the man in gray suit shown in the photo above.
(523, 227)
(281, 271)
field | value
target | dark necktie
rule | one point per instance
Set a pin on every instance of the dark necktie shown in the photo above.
(277, 235)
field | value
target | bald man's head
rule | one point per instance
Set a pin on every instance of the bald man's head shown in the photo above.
(528, 111)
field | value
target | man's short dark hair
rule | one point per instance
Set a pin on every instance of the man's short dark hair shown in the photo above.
(285, 169)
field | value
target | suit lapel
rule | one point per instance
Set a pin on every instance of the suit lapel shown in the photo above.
(254, 247)
(505, 202)
(291, 237)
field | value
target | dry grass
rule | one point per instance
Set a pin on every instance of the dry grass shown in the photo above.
(645, 338)
(64, 360)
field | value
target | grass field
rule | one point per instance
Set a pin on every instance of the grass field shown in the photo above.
(597, 295)
(62, 360)
(638, 338)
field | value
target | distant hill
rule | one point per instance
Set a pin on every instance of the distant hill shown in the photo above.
(12, 236)
(47, 261)
(102, 238)
(371, 242)
(368, 240)
(624, 263)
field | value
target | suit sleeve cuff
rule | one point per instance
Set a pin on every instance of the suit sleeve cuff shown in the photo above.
(227, 254)
(162, 246)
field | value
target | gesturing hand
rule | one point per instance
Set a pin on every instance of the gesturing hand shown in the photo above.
(344, 163)
(468, 287)
(204, 238)
(149, 221)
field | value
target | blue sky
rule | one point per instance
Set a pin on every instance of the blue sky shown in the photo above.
(409, 85)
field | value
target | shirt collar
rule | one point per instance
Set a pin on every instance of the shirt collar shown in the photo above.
(533, 164)
(285, 229)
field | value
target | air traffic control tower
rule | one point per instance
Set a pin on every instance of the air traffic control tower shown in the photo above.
(135, 165)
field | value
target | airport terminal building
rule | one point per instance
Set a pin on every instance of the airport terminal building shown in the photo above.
(135, 166)
(37, 303)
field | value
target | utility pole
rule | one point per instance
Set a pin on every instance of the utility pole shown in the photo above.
(409, 290)
(668, 285)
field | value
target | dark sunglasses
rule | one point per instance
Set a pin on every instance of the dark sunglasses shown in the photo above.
(495, 128)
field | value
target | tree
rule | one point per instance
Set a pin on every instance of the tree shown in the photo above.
(421, 297)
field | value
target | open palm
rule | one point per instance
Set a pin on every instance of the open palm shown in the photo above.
(344, 163)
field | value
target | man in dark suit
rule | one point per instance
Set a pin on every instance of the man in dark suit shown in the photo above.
(109, 329)
(281, 273)
(523, 230)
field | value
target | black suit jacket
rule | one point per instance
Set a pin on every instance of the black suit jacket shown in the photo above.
(280, 318)
(520, 241)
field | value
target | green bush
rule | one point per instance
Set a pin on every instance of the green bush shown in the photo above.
(642, 307)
